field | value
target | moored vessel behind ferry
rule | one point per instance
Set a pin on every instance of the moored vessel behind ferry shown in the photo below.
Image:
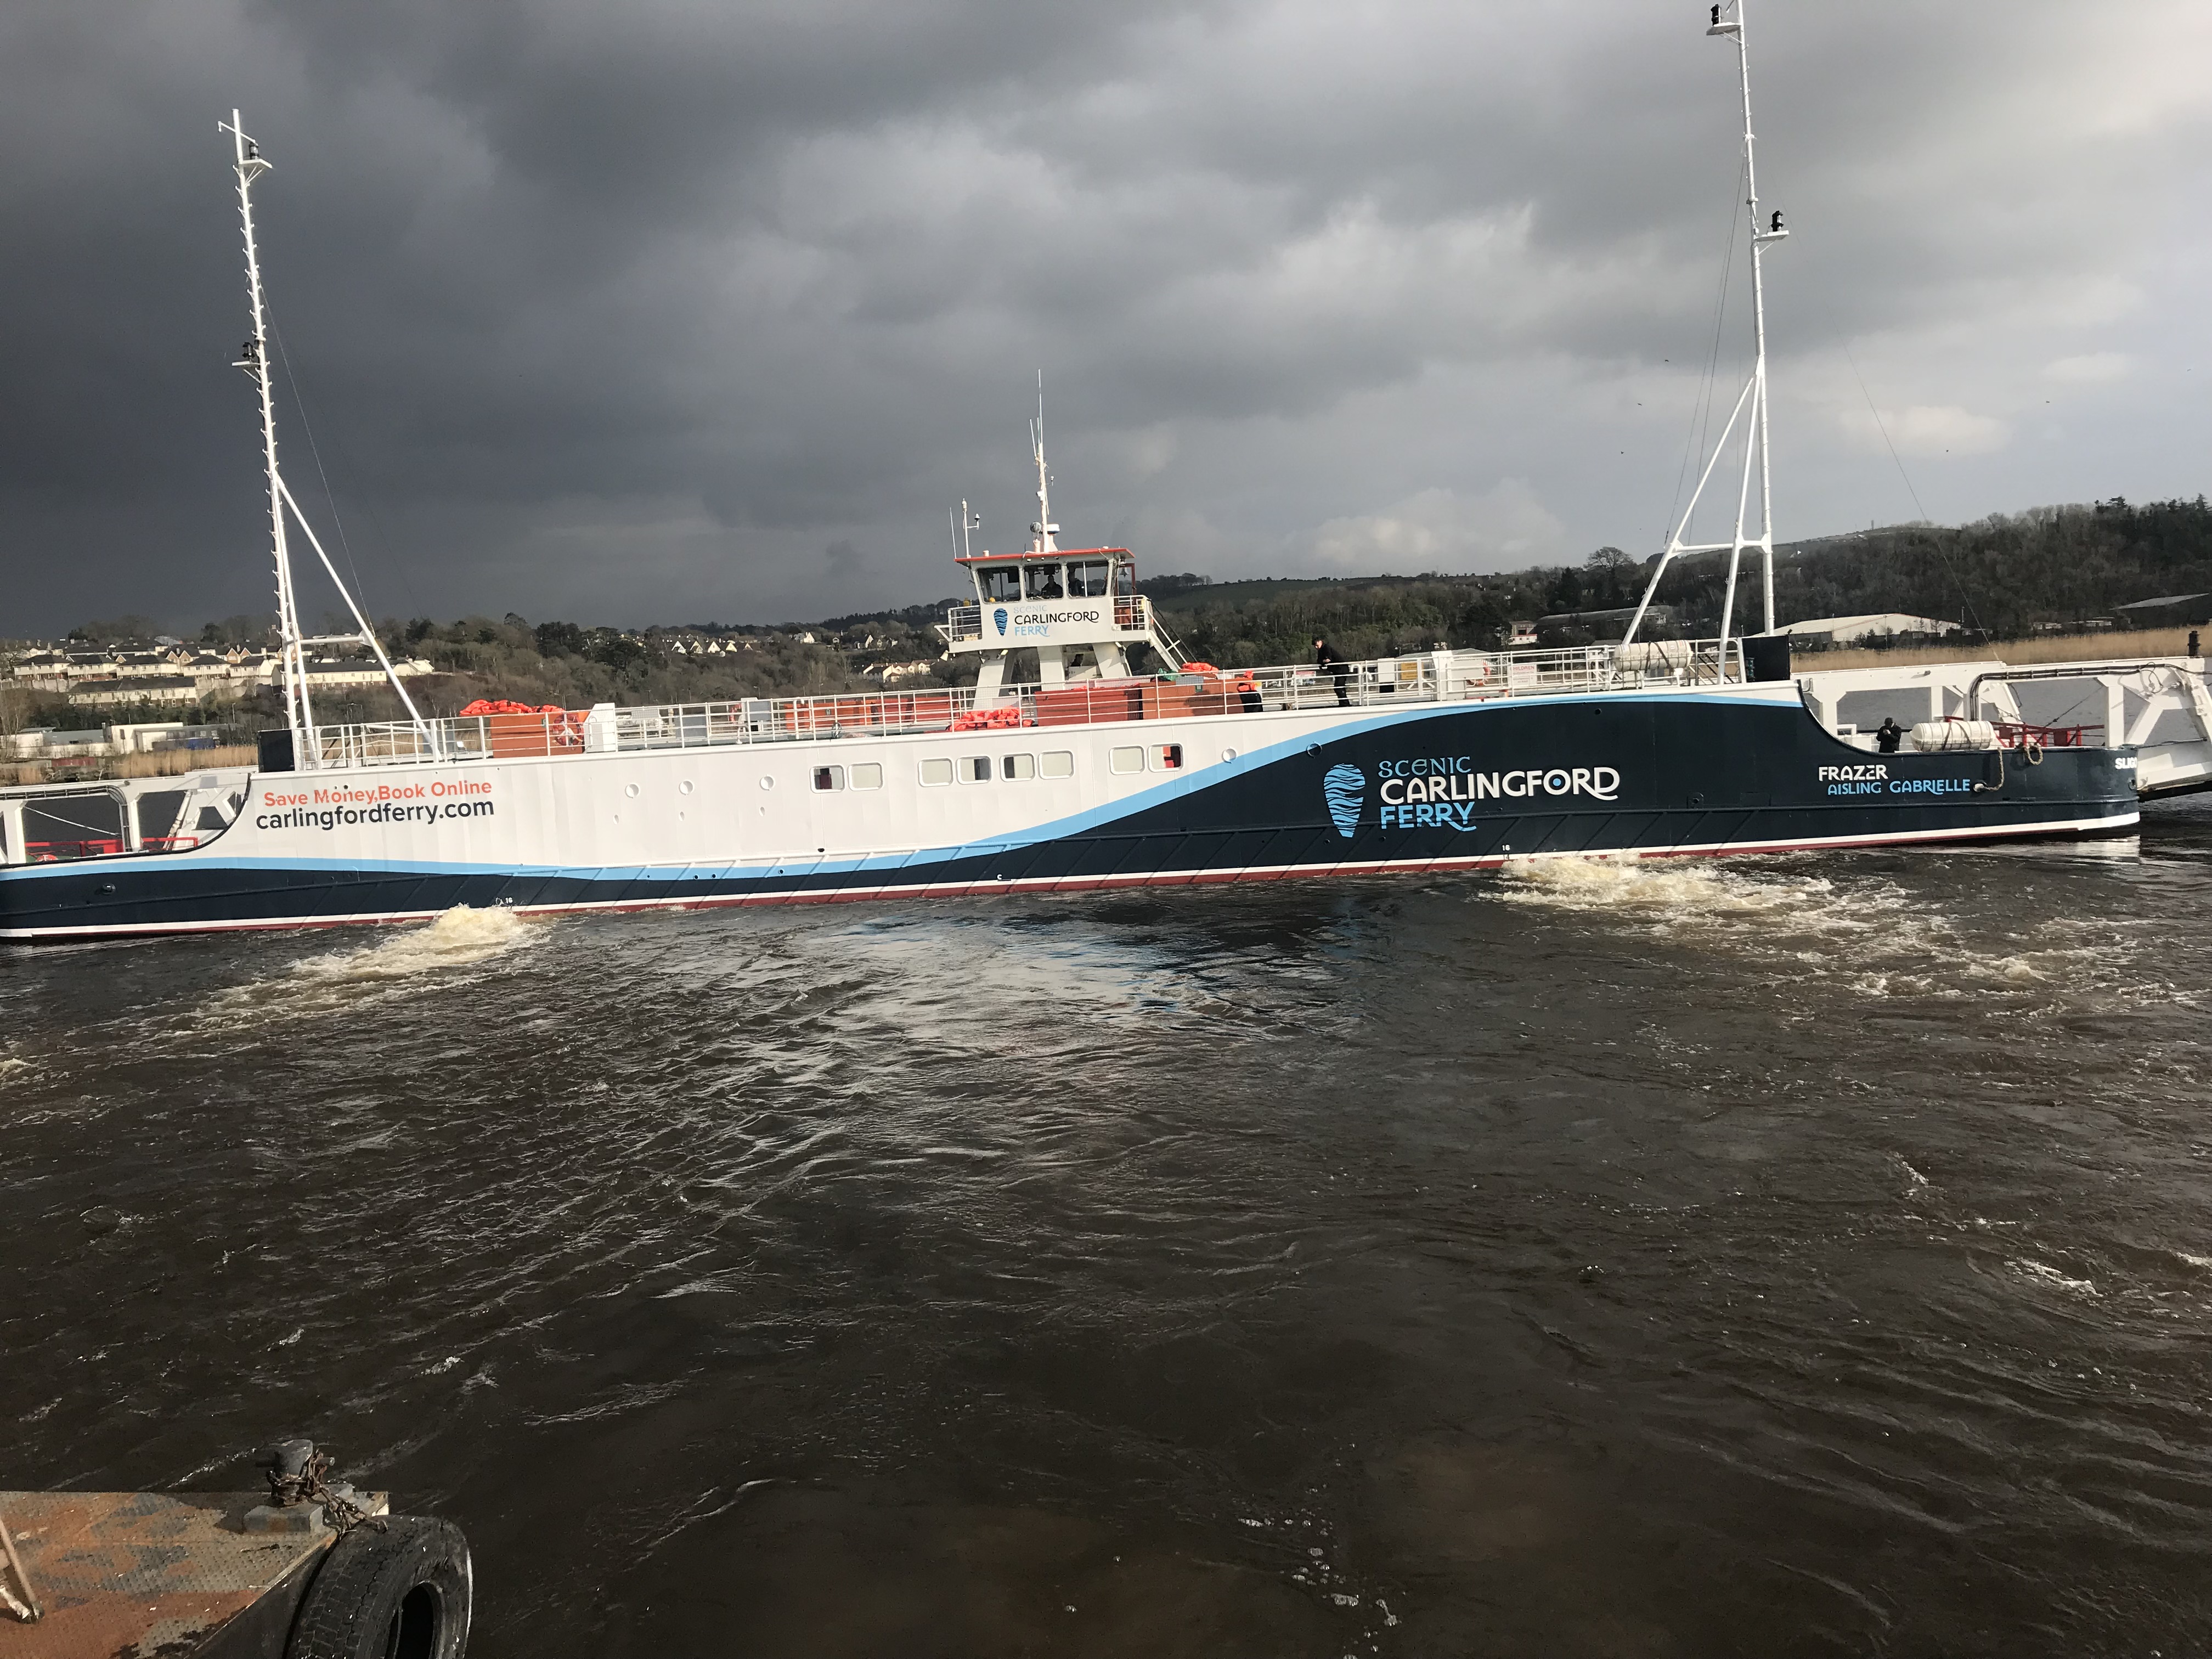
(1093, 775)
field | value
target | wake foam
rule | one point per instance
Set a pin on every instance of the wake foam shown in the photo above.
(415, 956)
(459, 937)
(1876, 937)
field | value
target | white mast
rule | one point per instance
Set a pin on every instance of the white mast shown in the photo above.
(1753, 396)
(1044, 527)
(299, 715)
(249, 165)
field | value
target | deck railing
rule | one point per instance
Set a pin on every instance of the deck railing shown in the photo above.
(1382, 683)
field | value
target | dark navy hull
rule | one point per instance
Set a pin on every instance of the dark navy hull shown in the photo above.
(1449, 787)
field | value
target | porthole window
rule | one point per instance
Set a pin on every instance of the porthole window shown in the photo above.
(869, 774)
(935, 772)
(1166, 756)
(1016, 766)
(975, 768)
(1056, 764)
(1127, 760)
(827, 778)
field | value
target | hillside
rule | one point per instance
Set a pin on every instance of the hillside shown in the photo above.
(2005, 576)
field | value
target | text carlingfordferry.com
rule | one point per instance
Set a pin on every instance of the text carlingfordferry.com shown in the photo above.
(388, 803)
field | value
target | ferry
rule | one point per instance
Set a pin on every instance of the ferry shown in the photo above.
(1120, 765)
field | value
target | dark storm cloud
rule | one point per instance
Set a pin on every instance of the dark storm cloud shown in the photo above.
(630, 313)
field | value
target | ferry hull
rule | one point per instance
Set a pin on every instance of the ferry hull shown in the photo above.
(1258, 797)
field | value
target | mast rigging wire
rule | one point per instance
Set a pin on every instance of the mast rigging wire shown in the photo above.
(1880, 426)
(1701, 408)
(299, 403)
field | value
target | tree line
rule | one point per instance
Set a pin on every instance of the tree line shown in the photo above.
(2004, 575)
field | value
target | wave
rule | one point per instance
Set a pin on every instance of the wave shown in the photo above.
(1880, 938)
(405, 958)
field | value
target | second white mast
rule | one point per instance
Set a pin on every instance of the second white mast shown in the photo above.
(1750, 405)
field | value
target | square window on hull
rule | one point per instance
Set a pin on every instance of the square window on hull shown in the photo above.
(975, 768)
(934, 772)
(1057, 763)
(1016, 766)
(869, 774)
(829, 777)
(1127, 760)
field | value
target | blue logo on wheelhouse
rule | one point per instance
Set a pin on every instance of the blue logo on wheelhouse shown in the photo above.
(1344, 787)
(999, 618)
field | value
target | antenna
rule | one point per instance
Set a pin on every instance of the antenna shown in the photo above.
(1753, 396)
(249, 164)
(962, 547)
(1044, 527)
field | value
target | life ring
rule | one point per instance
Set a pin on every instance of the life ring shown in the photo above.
(408, 1589)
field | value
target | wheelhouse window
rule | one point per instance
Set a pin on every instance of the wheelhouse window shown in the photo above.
(1044, 581)
(1001, 582)
(1087, 580)
(829, 777)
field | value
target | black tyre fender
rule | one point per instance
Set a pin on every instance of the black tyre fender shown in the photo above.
(401, 1593)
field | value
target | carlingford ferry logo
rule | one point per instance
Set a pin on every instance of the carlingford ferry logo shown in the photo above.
(999, 618)
(1344, 787)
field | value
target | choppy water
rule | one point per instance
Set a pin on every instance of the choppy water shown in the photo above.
(1798, 1255)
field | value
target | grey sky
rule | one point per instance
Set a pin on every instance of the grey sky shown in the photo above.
(677, 311)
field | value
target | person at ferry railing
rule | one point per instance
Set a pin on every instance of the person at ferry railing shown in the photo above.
(1334, 668)
(2193, 650)
(1888, 735)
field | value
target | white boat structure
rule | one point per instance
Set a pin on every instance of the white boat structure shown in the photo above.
(1120, 765)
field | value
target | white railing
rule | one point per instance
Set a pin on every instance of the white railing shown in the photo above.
(1441, 676)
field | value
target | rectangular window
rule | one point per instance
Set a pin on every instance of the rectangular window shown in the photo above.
(1017, 766)
(937, 771)
(1058, 763)
(975, 768)
(1087, 581)
(829, 777)
(1002, 582)
(868, 775)
(1166, 756)
(1044, 581)
(1127, 760)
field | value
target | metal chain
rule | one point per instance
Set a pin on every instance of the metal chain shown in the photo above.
(309, 1486)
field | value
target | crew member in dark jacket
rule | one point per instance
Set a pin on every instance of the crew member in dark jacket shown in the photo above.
(1888, 735)
(1327, 661)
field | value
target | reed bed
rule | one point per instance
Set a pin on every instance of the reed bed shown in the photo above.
(164, 763)
(2102, 647)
